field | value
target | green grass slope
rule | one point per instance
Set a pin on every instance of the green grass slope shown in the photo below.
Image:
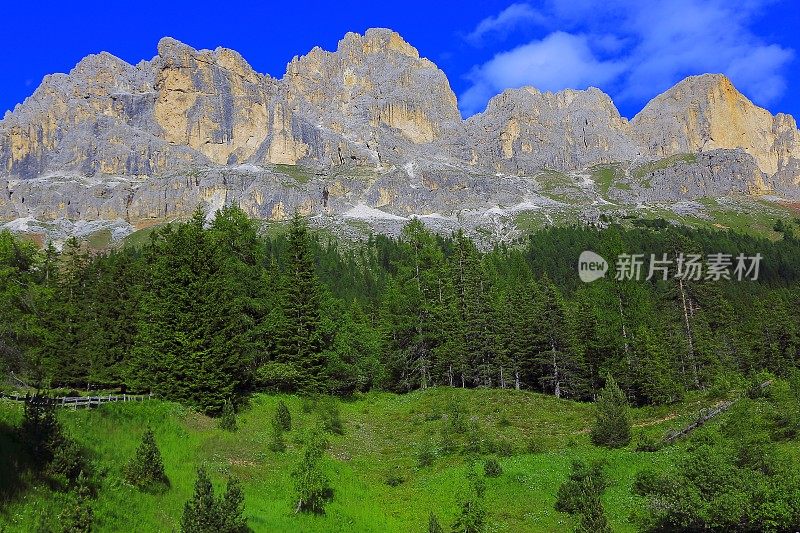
(536, 436)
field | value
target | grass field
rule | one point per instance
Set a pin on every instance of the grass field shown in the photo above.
(538, 436)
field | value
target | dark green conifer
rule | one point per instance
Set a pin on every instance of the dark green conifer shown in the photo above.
(612, 426)
(146, 469)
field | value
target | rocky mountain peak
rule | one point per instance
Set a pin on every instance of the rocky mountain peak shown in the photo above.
(707, 112)
(380, 41)
(372, 108)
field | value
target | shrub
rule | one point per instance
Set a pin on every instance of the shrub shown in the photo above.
(647, 443)
(312, 487)
(283, 417)
(504, 448)
(426, 455)
(612, 427)
(457, 418)
(475, 441)
(492, 468)
(77, 516)
(227, 420)
(535, 445)
(206, 514)
(330, 416)
(394, 479)
(145, 470)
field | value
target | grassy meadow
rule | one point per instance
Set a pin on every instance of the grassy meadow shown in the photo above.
(373, 466)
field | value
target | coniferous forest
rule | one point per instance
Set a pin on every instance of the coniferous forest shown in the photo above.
(206, 313)
(214, 315)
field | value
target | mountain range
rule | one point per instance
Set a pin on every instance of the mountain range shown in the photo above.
(364, 137)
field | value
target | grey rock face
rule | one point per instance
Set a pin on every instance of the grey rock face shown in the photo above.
(371, 125)
(708, 175)
(524, 130)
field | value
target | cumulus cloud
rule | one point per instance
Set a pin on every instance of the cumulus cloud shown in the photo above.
(634, 50)
(512, 16)
(559, 61)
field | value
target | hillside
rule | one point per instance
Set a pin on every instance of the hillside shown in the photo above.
(382, 437)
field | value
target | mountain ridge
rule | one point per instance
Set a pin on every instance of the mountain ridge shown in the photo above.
(113, 141)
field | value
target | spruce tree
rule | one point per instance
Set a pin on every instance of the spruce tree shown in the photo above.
(40, 429)
(580, 495)
(227, 420)
(612, 426)
(283, 417)
(145, 470)
(230, 509)
(200, 513)
(298, 342)
(78, 515)
(206, 514)
(194, 342)
(472, 518)
(277, 443)
(312, 488)
(593, 517)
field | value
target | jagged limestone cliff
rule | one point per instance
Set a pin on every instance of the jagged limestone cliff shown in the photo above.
(370, 124)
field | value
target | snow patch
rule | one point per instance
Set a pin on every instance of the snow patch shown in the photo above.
(365, 212)
(20, 225)
(248, 167)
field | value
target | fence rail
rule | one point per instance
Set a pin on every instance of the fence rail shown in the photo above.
(704, 416)
(87, 402)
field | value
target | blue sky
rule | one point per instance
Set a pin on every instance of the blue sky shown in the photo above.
(631, 49)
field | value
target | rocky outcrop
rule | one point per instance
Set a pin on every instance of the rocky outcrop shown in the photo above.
(523, 130)
(704, 113)
(707, 175)
(371, 124)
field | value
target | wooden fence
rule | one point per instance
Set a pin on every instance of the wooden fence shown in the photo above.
(87, 402)
(704, 416)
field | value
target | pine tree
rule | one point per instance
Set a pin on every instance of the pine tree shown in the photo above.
(283, 417)
(298, 340)
(312, 487)
(78, 515)
(227, 420)
(472, 518)
(200, 513)
(146, 469)
(612, 427)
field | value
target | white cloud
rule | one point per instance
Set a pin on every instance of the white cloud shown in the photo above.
(559, 61)
(504, 21)
(635, 50)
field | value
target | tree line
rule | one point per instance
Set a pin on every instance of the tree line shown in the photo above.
(211, 309)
